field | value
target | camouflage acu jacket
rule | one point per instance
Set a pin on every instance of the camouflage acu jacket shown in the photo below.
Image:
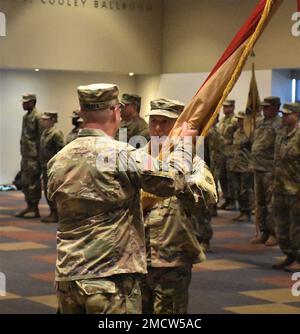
(72, 135)
(263, 147)
(216, 145)
(137, 127)
(31, 133)
(170, 236)
(241, 152)
(52, 141)
(287, 163)
(228, 126)
(101, 230)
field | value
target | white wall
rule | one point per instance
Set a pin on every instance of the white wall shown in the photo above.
(55, 91)
(183, 86)
(148, 88)
(282, 85)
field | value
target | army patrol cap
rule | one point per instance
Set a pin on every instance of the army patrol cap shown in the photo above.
(50, 115)
(76, 116)
(75, 113)
(229, 103)
(165, 107)
(28, 97)
(97, 97)
(271, 101)
(131, 99)
(241, 114)
(289, 108)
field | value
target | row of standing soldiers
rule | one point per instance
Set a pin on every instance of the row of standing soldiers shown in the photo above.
(261, 172)
(40, 141)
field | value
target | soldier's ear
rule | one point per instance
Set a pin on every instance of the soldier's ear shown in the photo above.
(116, 114)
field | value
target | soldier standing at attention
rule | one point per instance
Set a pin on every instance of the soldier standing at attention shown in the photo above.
(95, 182)
(77, 122)
(52, 141)
(30, 165)
(261, 163)
(227, 126)
(286, 198)
(171, 243)
(239, 169)
(131, 120)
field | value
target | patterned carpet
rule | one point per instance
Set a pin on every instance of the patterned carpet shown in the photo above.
(237, 278)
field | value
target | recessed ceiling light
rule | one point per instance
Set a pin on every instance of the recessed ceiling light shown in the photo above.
(37, 69)
(131, 74)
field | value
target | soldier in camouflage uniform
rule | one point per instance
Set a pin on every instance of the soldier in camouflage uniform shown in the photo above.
(132, 125)
(30, 166)
(52, 141)
(242, 179)
(95, 182)
(77, 121)
(227, 127)
(286, 198)
(171, 242)
(261, 163)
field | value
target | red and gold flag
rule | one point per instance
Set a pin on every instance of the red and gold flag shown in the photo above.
(204, 107)
(202, 111)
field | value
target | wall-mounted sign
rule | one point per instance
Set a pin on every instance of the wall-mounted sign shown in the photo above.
(2, 25)
(117, 5)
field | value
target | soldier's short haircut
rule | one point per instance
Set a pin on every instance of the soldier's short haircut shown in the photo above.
(99, 116)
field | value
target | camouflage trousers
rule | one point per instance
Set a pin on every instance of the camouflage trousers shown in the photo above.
(242, 184)
(31, 181)
(215, 170)
(202, 226)
(287, 223)
(165, 290)
(226, 180)
(263, 201)
(119, 294)
(51, 204)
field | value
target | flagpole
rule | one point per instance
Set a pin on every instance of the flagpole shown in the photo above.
(254, 126)
(253, 101)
